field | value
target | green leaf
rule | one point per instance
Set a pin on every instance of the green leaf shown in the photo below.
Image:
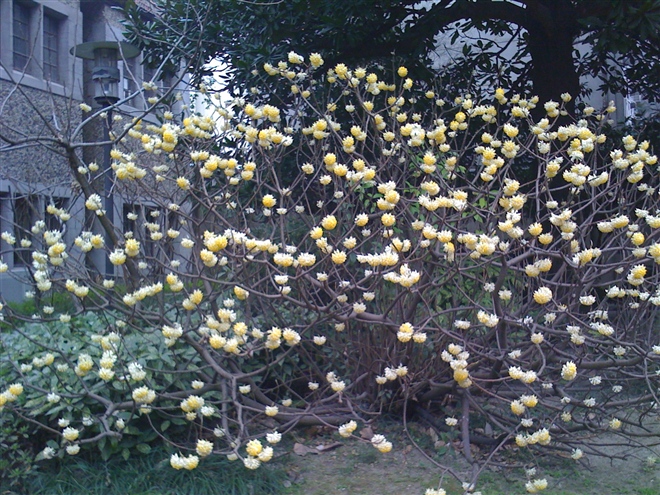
(165, 425)
(143, 448)
(125, 453)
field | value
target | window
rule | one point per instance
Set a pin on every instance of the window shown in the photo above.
(129, 216)
(21, 37)
(150, 76)
(130, 77)
(55, 205)
(25, 209)
(35, 40)
(51, 47)
(149, 73)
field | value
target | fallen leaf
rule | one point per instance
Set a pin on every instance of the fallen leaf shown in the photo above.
(300, 449)
(367, 433)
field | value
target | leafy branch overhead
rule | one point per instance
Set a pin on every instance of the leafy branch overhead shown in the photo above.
(548, 44)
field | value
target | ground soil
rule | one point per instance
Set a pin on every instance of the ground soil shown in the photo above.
(357, 468)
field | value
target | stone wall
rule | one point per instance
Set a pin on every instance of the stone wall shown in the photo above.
(37, 118)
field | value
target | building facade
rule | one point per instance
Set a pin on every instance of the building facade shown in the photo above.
(42, 85)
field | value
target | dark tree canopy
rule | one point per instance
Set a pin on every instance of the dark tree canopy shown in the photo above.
(548, 44)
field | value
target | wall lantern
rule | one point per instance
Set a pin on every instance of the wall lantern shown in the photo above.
(105, 73)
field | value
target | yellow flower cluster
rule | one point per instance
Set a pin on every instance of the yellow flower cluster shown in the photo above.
(257, 454)
(184, 462)
(542, 437)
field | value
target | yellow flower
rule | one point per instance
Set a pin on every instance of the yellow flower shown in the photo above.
(638, 271)
(204, 447)
(510, 130)
(461, 374)
(16, 389)
(70, 434)
(381, 443)
(306, 259)
(215, 243)
(144, 395)
(543, 295)
(196, 297)
(72, 449)
(294, 58)
(316, 60)
(361, 220)
(402, 72)
(268, 201)
(406, 328)
(254, 447)
(569, 371)
(316, 233)
(517, 407)
(545, 239)
(338, 386)
(535, 229)
(117, 257)
(338, 257)
(341, 70)
(347, 429)
(217, 341)
(180, 462)
(266, 454)
(240, 293)
(183, 183)
(637, 238)
(330, 159)
(282, 259)
(132, 247)
(350, 242)
(329, 222)
(388, 219)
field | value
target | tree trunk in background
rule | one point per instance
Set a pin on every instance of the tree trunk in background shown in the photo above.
(551, 33)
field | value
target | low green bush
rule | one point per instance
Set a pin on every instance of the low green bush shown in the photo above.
(53, 378)
(149, 474)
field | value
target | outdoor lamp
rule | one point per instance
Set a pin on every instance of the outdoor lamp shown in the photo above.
(105, 73)
(105, 76)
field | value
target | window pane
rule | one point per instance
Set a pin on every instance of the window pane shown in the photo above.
(130, 76)
(51, 48)
(21, 36)
(24, 214)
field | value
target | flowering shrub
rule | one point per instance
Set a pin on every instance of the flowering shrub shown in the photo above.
(364, 246)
